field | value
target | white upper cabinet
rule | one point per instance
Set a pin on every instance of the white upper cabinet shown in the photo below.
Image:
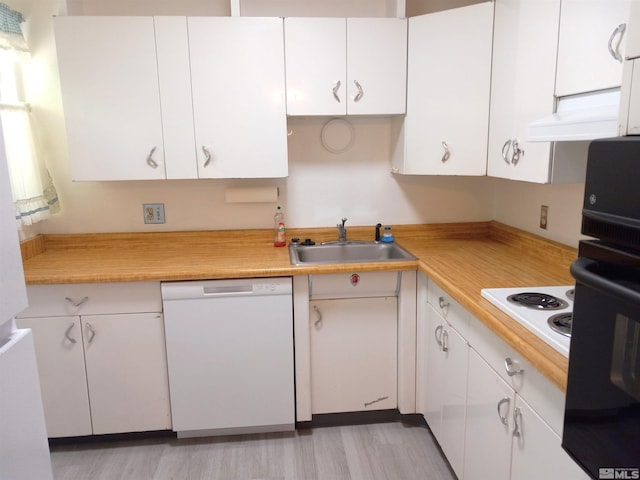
(155, 97)
(353, 66)
(447, 121)
(316, 59)
(629, 118)
(109, 83)
(522, 87)
(591, 45)
(376, 66)
(632, 45)
(174, 80)
(237, 77)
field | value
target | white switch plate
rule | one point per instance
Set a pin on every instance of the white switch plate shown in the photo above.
(153, 212)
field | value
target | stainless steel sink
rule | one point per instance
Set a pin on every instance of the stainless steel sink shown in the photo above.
(347, 252)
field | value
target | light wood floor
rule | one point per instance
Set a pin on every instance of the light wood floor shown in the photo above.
(393, 451)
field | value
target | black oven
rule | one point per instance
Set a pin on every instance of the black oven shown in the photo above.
(602, 410)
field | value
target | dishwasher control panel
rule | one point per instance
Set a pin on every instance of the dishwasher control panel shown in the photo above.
(226, 288)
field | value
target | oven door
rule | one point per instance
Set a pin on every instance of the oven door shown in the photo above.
(602, 410)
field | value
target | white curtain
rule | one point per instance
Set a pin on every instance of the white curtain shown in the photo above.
(34, 199)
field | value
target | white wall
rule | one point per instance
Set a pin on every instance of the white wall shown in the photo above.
(321, 188)
(518, 204)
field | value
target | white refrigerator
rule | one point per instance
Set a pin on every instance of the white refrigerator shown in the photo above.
(24, 449)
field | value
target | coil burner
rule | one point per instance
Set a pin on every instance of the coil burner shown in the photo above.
(561, 323)
(538, 301)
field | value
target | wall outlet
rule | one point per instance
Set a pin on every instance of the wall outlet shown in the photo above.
(153, 212)
(544, 210)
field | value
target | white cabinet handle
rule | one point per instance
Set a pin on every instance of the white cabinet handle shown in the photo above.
(318, 316)
(207, 156)
(67, 333)
(505, 151)
(76, 304)
(438, 334)
(445, 341)
(360, 92)
(336, 87)
(517, 420)
(92, 332)
(512, 367)
(503, 418)
(447, 154)
(619, 32)
(150, 161)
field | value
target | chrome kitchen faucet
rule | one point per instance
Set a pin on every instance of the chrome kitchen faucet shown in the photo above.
(342, 231)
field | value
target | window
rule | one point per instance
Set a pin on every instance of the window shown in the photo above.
(34, 199)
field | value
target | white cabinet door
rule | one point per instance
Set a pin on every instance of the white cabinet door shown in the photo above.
(449, 98)
(588, 33)
(338, 66)
(632, 44)
(537, 453)
(127, 372)
(488, 434)
(522, 86)
(432, 394)
(446, 391)
(111, 99)
(174, 80)
(237, 75)
(376, 66)
(454, 388)
(63, 379)
(354, 354)
(629, 119)
(316, 66)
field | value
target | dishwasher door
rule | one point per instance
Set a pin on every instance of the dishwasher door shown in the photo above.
(230, 355)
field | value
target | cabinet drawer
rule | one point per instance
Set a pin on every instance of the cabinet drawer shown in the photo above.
(92, 299)
(448, 308)
(354, 285)
(546, 399)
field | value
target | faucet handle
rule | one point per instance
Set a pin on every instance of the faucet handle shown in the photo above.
(344, 220)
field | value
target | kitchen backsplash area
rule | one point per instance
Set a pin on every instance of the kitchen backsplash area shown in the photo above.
(321, 188)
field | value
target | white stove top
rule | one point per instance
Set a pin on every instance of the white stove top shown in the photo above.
(533, 319)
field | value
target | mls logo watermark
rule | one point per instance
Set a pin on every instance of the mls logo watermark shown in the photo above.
(624, 473)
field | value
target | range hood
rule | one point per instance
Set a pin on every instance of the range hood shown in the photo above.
(579, 117)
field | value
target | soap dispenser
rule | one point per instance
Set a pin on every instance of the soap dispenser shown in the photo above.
(387, 236)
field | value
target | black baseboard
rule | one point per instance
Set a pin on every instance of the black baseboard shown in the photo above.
(112, 437)
(361, 418)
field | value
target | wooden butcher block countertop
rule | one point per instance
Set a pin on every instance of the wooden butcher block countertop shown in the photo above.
(462, 258)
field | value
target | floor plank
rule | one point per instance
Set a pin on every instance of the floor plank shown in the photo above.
(381, 451)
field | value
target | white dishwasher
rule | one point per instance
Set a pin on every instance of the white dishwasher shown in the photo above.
(230, 355)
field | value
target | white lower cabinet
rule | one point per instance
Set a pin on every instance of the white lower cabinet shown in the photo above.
(489, 422)
(442, 369)
(445, 400)
(537, 452)
(505, 438)
(354, 354)
(100, 373)
(63, 378)
(488, 433)
(125, 357)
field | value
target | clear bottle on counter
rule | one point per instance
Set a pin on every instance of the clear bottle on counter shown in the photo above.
(387, 236)
(279, 237)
